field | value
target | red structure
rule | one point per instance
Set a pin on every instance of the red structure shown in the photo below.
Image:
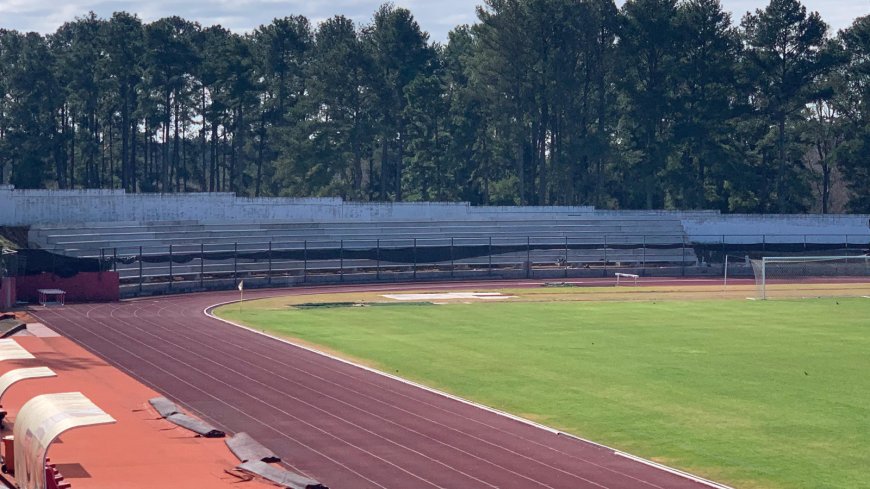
(7, 293)
(82, 287)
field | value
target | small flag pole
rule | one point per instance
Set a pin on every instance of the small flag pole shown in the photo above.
(241, 294)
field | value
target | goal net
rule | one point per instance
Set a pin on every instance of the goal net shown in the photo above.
(812, 276)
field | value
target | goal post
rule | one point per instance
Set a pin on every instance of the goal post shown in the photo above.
(795, 276)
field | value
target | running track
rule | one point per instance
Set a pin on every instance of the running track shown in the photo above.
(340, 424)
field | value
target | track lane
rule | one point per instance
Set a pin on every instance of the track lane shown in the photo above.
(343, 425)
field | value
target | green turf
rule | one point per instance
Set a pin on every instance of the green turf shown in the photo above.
(755, 394)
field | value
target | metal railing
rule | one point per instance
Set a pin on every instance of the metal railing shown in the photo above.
(174, 268)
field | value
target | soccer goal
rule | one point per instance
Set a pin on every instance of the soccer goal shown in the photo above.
(815, 276)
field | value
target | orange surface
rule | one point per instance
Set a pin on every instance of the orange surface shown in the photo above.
(140, 450)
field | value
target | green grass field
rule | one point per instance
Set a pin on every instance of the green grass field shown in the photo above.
(769, 394)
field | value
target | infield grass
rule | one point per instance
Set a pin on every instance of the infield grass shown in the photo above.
(769, 394)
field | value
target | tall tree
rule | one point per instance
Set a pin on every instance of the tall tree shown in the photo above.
(853, 103)
(648, 50)
(786, 54)
(400, 52)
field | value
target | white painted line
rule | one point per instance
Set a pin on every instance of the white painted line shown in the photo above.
(700, 480)
(672, 470)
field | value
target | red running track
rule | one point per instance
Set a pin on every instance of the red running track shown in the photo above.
(343, 425)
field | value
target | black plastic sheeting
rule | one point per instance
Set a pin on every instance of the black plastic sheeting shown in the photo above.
(279, 476)
(248, 449)
(170, 412)
(34, 262)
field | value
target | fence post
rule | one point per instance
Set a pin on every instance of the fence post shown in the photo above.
(724, 257)
(528, 257)
(140, 270)
(115, 259)
(415, 259)
(605, 255)
(643, 260)
(566, 256)
(305, 261)
(235, 262)
(341, 260)
(378, 259)
(763, 244)
(201, 265)
(489, 270)
(269, 275)
(452, 261)
(171, 278)
(683, 258)
(846, 248)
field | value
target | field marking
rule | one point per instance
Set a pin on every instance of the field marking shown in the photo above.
(715, 485)
(486, 296)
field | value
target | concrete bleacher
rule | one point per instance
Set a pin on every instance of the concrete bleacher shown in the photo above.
(84, 240)
(543, 244)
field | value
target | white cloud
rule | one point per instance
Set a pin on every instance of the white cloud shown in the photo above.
(436, 17)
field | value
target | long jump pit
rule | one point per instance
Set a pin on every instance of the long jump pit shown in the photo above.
(140, 450)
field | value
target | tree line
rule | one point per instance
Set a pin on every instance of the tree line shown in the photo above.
(657, 104)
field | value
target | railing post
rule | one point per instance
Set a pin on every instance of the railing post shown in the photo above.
(378, 259)
(201, 265)
(566, 256)
(643, 260)
(269, 255)
(115, 259)
(528, 257)
(415, 259)
(141, 275)
(489, 270)
(235, 262)
(605, 255)
(683, 258)
(341, 260)
(171, 279)
(305, 261)
(452, 261)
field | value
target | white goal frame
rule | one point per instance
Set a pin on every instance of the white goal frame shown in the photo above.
(759, 267)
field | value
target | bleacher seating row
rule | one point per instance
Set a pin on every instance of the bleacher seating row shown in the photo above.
(197, 252)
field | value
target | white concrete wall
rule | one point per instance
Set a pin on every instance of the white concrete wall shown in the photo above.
(28, 207)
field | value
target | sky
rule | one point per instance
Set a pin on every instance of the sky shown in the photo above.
(435, 16)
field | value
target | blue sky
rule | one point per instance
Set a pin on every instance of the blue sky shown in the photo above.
(436, 17)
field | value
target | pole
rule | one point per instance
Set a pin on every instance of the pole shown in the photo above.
(452, 261)
(341, 261)
(270, 264)
(170, 267)
(566, 256)
(528, 257)
(201, 265)
(235, 261)
(140, 270)
(305, 261)
(378, 259)
(415, 259)
(683, 259)
(490, 256)
(725, 280)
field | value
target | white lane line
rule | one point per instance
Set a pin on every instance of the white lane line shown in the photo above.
(700, 480)
(219, 400)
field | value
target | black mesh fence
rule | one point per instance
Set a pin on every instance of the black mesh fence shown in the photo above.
(200, 266)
